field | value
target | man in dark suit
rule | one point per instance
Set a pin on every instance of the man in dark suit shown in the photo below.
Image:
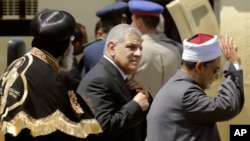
(109, 16)
(119, 106)
(181, 110)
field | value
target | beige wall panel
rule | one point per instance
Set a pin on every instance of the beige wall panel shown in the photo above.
(235, 21)
(193, 16)
(3, 49)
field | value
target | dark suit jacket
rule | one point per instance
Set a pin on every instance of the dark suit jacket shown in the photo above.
(111, 101)
(181, 110)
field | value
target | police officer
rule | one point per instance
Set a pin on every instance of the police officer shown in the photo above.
(109, 17)
(160, 60)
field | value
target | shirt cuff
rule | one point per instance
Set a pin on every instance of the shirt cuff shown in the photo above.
(237, 66)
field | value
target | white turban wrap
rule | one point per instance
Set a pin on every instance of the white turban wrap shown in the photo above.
(202, 47)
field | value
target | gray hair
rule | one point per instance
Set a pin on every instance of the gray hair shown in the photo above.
(119, 32)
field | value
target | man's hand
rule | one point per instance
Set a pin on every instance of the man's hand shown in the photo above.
(142, 100)
(229, 49)
(136, 86)
(142, 96)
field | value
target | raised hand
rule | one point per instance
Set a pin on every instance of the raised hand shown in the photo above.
(229, 49)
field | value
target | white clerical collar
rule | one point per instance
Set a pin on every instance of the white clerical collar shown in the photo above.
(124, 76)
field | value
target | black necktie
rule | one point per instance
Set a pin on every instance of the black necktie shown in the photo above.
(132, 92)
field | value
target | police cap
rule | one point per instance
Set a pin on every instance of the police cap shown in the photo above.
(113, 11)
(145, 8)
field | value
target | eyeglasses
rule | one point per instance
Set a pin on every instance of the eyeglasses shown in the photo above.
(215, 70)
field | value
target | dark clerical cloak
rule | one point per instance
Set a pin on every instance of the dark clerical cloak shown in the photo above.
(36, 106)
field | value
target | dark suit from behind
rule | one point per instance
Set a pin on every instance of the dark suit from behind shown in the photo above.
(92, 54)
(110, 16)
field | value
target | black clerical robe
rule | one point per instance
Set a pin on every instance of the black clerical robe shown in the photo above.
(36, 106)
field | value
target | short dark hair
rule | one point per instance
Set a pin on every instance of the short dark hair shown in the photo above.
(99, 25)
(150, 21)
(79, 35)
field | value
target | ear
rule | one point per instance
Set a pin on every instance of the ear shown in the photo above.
(198, 66)
(111, 48)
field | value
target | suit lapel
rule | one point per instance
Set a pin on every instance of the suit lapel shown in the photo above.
(117, 77)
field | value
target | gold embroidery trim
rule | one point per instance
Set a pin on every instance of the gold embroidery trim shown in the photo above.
(11, 82)
(46, 57)
(45, 126)
(1, 137)
(74, 103)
